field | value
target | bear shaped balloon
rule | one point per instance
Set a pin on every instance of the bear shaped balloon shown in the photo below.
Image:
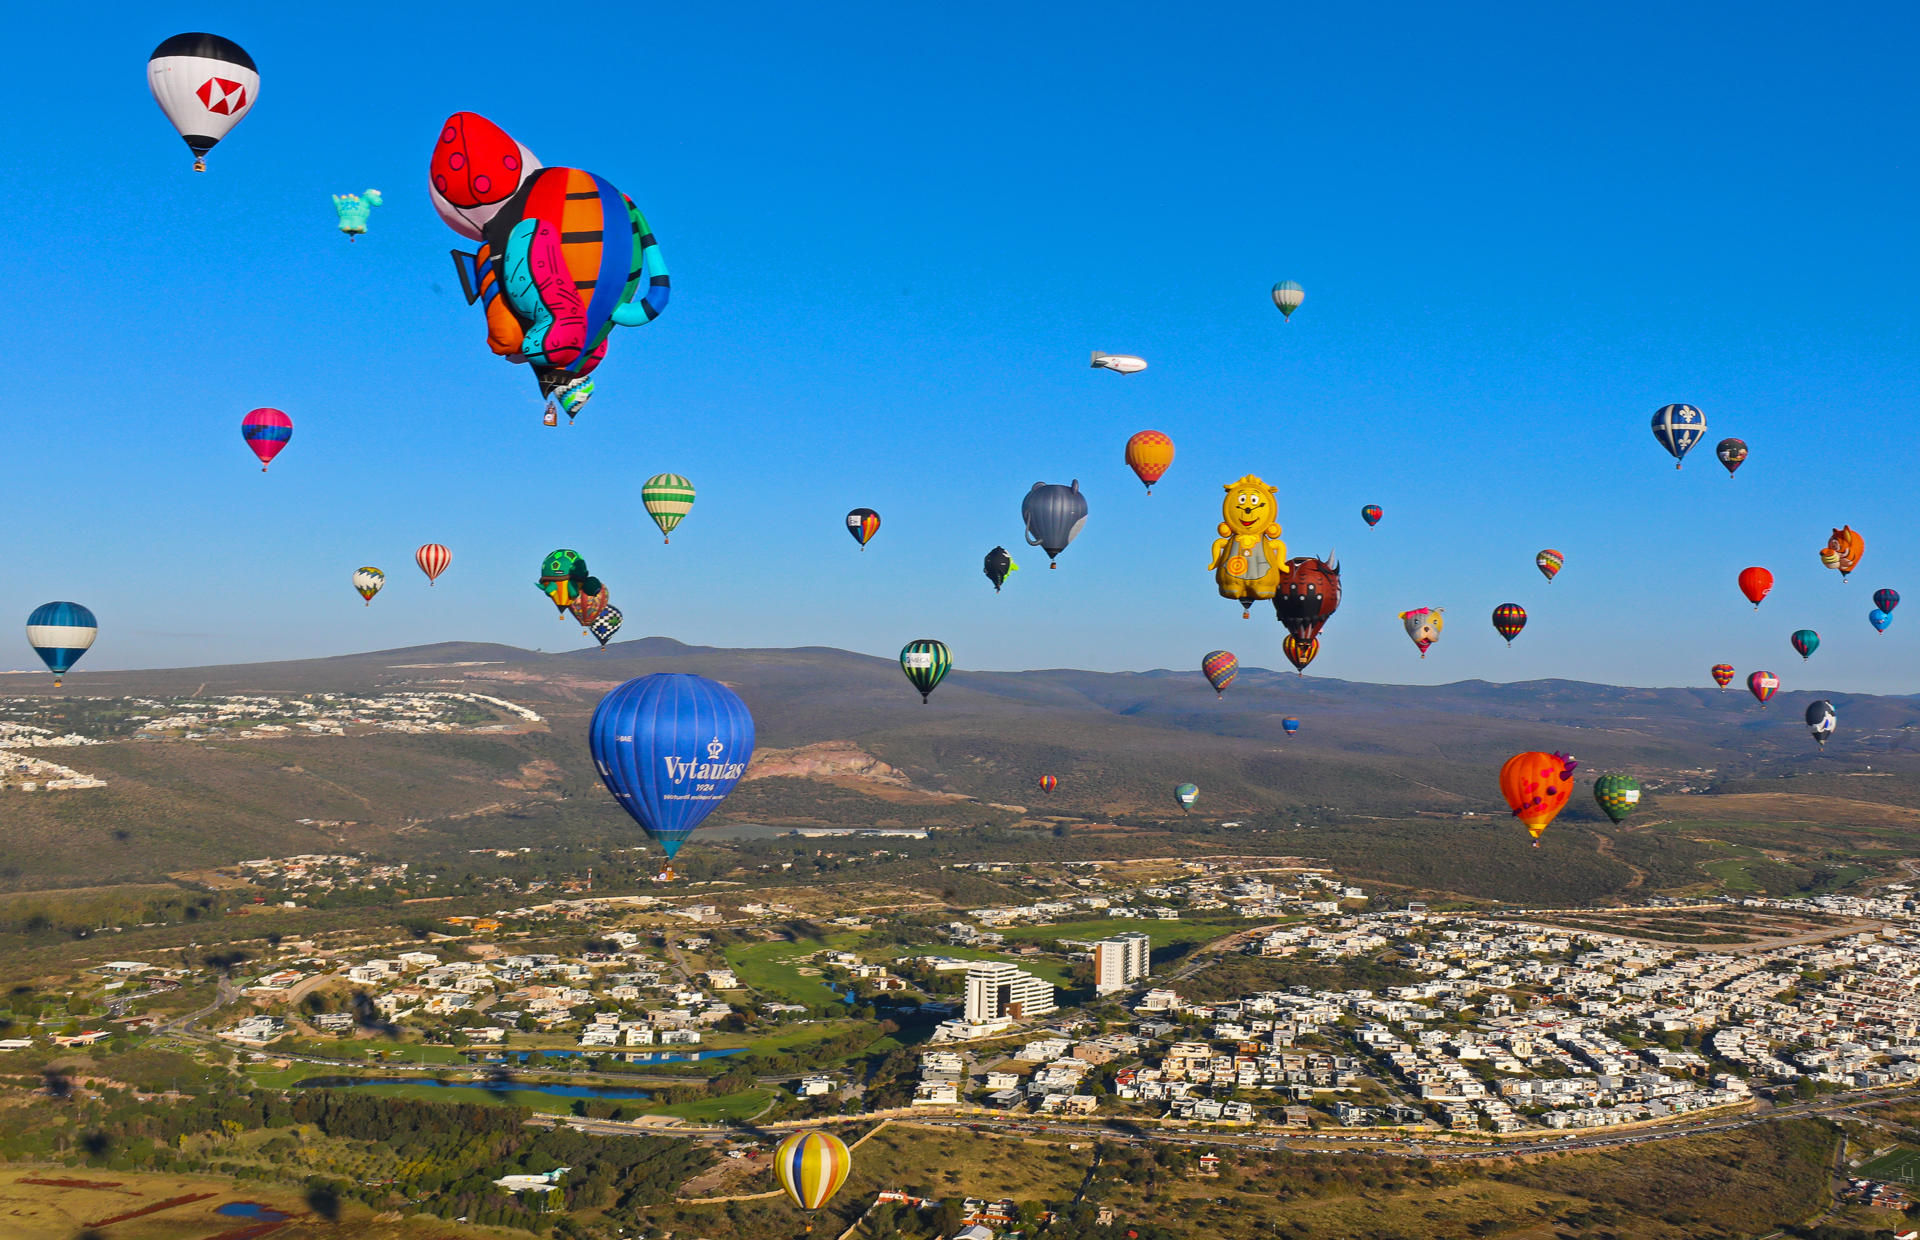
(1249, 558)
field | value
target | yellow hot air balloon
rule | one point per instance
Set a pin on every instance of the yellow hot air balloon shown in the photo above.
(812, 1166)
(1149, 453)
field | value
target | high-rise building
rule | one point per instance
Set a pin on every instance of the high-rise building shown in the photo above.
(1120, 961)
(1000, 991)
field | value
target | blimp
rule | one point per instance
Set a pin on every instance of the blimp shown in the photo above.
(1119, 363)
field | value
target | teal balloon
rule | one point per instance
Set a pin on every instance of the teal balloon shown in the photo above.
(1879, 620)
(1805, 642)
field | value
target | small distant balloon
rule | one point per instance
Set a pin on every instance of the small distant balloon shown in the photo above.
(1805, 642)
(353, 210)
(1549, 562)
(1148, 455)
(1755, 583)
(1843, 550)
(668, 498)
(1763, 685)
(863, 524)
(1049, 782)
(926, 663)
(1508, 620)
(1287, 297)
(266, 431)
(1879, 618)
(1619, 795)
(368, 580)
(433, 559)
(1678, 428)
(1732, 454)
(1290, 725)
(1219, 667)
(998, 566)
(1186, 795)
(1423, 625)
(1119, 363)
(1821, 721)
(1054, 516)
(1886, 600)
(1372, 513)
(1722, 674)
(606, 625)
(1300, 653)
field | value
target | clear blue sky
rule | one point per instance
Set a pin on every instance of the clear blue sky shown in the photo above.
(895, 234)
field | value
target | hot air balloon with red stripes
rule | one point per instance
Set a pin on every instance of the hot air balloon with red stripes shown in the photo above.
(1722, 674)
(1049, 782)
(433, 559)
(1219, 667)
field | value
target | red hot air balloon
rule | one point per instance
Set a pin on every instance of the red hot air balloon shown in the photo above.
(1755, 583)
(266, 432)
(1309, 594)
(433, 560)
(1549, 562)
(1763, 685)
(1300, 653)
(1722, 674)
(1049, 782)
(1371, 514)
(1508, 620)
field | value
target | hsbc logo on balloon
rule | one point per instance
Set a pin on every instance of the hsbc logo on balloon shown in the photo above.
(222, 96)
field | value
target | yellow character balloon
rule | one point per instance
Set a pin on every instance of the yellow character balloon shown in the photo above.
(1249, 556)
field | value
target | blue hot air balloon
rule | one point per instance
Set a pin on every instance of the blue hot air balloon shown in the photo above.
(1880, 618)
(1678, 428)
(670, 747)
(60, 633)
(1291, 725)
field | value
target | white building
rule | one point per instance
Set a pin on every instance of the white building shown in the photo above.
(1120, 961)
(997, 991)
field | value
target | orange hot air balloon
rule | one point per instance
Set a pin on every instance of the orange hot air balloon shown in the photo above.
(1300, 653)
(1537, 786)
(1843, 550)
(1755, 583)
(1148, 455)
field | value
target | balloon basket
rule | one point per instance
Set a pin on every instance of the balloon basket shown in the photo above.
(199, 165)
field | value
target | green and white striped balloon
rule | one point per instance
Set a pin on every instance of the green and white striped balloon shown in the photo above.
(926, 662)
(667, 498)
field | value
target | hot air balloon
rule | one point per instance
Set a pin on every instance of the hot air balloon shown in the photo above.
(591, 603)
(1619, 795)
(1372, 513)
(368, 580)
(60, 633)
(1290, 725)
(1537, 786)
(1119, 363)
(1287, 297)
(1300, 653)
(668, 498)
(1149, 453)
(353, 210)
(1732, 454)
(1755, 583)
(926, 663)
(206, 85)
(1879, 618)
(1763, 685)
(1054, 516)
(1249, 557)
(1722, 674)
(266, 431)
(1308, 595)
(1886, 600)
(1843, 550)
(1821, 721)
(433, 560)
(562, 574)
(1186, 795)
(812, 1166)
(863, 524)
(1423, 626)
(1049, 782)
(998, 566)
(605, 625)
(1678, 428)
(670, 747)
(1508, 620)
(475, 168)
(1219, 667)
(1805, 642)
(1549, 562)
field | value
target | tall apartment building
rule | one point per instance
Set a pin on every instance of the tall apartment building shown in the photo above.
(999, 991)
(1120, 961)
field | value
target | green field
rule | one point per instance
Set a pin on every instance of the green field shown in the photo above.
(1163, 933)
(773, 968)
(1900, 1165)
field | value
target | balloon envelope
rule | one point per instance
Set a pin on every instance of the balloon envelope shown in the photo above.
(1821, 720)
(1763, 685)
(368, 580)
(1732, 454)
(863, 524)
(1508, 620)
(1678, 428)
(1300, 653)
(670, 747)
(1619, 795)
(1049, 782)
(1219, 667)
(926, 663)
(475, 168)
(1308, 595)
(205, 84)
(605, 625)
(433, 559)
(1186, 795)
(1879, 619)
(60, 633)
(1549, 562)
(1886, 600)
(1805, 642)
(266, 431)
(812, 1166)
(1372, 513)
(1722, 674)
(1290, 725)
(1054, 515)
(668, 498)
(1287, 297)
(998, 566)
(1755, 583)
(1537, 786)
(1149, 454)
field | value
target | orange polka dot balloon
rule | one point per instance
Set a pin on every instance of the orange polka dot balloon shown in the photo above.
(1537, 786)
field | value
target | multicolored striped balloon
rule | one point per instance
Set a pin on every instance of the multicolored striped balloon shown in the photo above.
(812, 1166)
(1300, 653)
(266, 431)
(1219, 667)
(667, 498)
(1508, 620)
(60, 633)
(1049, 782)
(1549, 562)
(1722, 674)
(1763, 685)
(433, 559)
(863, 524)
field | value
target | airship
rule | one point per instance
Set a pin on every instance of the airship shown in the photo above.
(1119, 363)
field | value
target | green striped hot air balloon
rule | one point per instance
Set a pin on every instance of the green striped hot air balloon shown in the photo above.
(667, 498)
(1619, 795)
(926, 663)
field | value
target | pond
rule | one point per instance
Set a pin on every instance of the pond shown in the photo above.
(491, 1086)
(251, 1210)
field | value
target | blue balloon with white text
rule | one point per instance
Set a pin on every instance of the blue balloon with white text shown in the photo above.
(670, 747)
